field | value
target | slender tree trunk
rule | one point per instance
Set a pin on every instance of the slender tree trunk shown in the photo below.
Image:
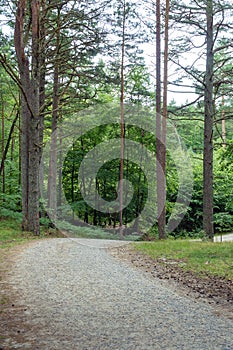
(42, 82)
(95, 211)
(59, 195)
(72, 180)
(42, 68)
(122, 129)
(159, 144)
(19, 139)
(224, 135)
(85, 188)
(12, 151)
(95, 221)
(164, 125)
(52, 180)
(24, 156)
(208, 226)
(3, 146)
(6, 148)
(139, 194)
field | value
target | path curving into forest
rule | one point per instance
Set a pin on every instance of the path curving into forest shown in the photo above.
(72, 294)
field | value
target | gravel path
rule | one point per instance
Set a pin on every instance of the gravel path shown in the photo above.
(74, 295)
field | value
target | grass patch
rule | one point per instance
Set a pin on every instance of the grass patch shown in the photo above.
(11, 234)
(199, 257)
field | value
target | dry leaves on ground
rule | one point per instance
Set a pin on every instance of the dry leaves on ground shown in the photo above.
(214, 290)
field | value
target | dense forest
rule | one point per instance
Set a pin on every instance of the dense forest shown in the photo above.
(117, 114)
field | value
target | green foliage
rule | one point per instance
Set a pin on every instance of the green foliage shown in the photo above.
(10, 206)
(45, 222)
(107, 177)
(223, 222)
(152, 234)
(91, 232)
(223, 186)
(89, 74)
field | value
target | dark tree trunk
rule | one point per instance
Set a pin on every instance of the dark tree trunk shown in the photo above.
(122, 128)
(2, 170)
(72, 180)
(42, 82)
(224, 135)
(34, 126)
(164, 126)
(52, 179)
(24, 157)
(60, 162)
(30, 119)
(159, 143)
(139, 194)
(208, 226)
(5, 150)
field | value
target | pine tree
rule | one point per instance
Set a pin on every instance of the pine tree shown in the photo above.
(30, 126)
(206, 20)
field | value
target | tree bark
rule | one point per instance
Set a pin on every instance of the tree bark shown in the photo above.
(164, 123)
(30, 121)
(2, 170)
(5, 150)
(159, 143)
(52, 179)
(122, 129)
(60, 162)
(224, 135)
(208, 226)
(42, 97)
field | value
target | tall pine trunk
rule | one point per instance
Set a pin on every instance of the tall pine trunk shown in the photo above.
(164, 123)
(159, 145)
(30, 117)
(122, 128)
(3, 145)
(52, 178)
(42, 96)
(208, 226)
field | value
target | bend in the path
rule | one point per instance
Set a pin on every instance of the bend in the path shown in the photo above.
(76, 296)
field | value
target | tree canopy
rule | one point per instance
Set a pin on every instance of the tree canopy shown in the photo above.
(62, 61)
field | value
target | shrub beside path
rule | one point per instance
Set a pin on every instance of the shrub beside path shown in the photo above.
(72, 294)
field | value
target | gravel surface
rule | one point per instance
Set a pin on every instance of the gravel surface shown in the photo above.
(74, 295)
